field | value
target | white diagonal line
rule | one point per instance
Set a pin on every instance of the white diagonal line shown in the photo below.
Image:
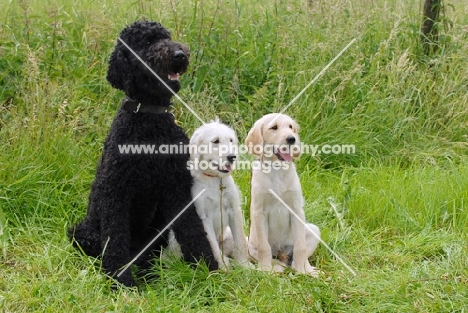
(162, 81)
(160, 233)
(316, 77)
(313, 233)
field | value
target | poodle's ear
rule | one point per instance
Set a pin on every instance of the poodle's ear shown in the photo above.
(119, 73)
(255, 138)
(295, 126)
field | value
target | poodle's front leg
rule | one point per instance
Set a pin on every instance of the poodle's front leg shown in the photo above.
(116, 236)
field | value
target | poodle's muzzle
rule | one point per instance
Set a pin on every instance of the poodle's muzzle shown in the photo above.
(168, 60)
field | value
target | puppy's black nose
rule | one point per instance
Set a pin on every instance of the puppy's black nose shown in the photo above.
(231, 157)
(179, 55)
(290, 139)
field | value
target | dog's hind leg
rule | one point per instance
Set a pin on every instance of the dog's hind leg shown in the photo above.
(301, 250)
(86, 234)
(312, 236)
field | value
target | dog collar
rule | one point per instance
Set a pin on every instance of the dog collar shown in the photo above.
(208, 175)
(136, 107)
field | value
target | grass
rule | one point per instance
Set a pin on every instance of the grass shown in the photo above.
(395, 211)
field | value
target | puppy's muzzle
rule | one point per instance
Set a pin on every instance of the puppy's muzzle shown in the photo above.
(290, 139)
(231, 158)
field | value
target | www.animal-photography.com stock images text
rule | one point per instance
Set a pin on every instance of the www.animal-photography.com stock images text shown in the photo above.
(234, 156)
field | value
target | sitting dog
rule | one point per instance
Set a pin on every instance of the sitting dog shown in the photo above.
(134, 196)
(278, 238)
(214, 150)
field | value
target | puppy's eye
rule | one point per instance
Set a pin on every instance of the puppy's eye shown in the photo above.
(216, 141)
(148, 43)
(230, 140)
(274, 127)
(290, 126)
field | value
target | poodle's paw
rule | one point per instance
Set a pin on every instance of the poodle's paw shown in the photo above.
(126, 279)
(213, 264)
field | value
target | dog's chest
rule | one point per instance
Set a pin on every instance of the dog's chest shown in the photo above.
(155, 129)
(279, 220)
(276, 207)
(280, 181)
(216, 204)
(216, 201)
(278, 214)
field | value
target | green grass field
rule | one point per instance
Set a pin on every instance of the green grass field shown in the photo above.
(396, 211)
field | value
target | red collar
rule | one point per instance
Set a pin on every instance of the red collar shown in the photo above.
(209, 175)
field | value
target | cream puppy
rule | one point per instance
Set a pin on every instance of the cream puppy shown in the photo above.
(277, 238)
(219, 205)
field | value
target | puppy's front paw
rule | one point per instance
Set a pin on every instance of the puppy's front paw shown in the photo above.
(247, 265)
(306, 269)
(279, 267)
(274, 267)
(264, 267)
(225, 264)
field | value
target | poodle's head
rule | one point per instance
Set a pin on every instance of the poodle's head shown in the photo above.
(153, 44)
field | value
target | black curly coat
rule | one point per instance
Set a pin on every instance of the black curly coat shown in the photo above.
(134, 196)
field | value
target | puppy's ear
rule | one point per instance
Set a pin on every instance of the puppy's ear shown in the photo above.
(295, 127)
(195, 142)
(255, 137)
(296, 152)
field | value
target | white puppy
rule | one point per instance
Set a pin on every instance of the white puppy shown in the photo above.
(277, 238)
(219, 205)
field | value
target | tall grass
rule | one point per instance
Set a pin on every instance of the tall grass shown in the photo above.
(395, 210)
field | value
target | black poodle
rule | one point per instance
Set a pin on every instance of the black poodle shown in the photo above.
(134, 196)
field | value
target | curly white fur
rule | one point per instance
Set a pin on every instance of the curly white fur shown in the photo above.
(219, 205)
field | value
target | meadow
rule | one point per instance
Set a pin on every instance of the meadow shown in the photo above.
(396, 210)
